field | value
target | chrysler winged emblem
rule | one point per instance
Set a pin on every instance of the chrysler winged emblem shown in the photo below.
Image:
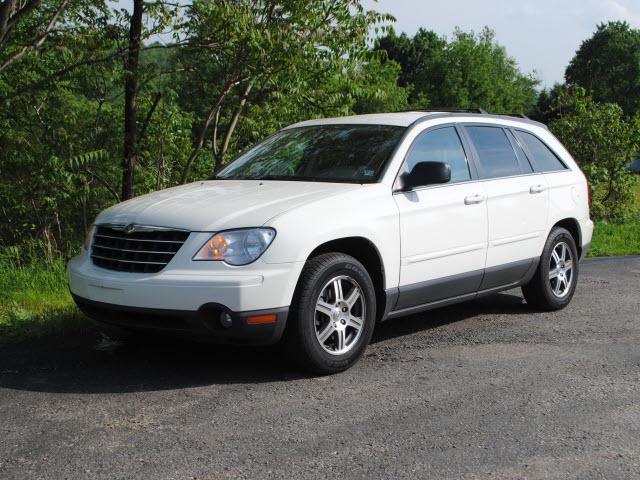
(130, 228)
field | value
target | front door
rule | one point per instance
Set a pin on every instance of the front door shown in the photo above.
(443, 227)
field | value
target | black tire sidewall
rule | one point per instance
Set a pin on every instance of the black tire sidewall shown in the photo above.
(320, 360)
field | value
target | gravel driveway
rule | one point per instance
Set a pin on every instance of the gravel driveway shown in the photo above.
(487, 389)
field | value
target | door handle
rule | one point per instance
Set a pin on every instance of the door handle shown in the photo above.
(537, 189)
(473, 199)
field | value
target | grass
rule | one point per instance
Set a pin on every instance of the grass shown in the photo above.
(35, 301)
(616, 239)
(611, 239)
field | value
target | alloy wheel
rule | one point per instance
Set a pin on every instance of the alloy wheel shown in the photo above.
(561, 269)
(339, 315)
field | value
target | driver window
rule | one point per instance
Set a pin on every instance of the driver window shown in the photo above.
(441, 145)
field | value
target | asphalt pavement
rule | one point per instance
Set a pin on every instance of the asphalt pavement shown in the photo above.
(486, 389)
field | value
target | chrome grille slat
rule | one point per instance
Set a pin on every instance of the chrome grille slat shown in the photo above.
(135, 251)
(141, 239)
(128, 261)
(138, 251)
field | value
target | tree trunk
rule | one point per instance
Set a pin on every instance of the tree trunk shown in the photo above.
(232, 126)
(130, 99)
(210, 118)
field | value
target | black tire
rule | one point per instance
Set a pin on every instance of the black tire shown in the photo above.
(301, 343)
(539, 292)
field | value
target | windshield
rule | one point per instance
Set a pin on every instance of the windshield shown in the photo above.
(329, 153)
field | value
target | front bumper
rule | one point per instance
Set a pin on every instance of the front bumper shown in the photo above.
(187, 285)
(203, 322)
(188, 296)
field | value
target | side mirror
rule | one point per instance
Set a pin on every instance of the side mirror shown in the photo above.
(426, 173)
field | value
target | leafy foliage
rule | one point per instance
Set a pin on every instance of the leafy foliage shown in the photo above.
(233, 73)
(603, 141)
(244, 52)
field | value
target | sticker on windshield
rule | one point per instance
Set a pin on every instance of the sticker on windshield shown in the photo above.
(368, 172)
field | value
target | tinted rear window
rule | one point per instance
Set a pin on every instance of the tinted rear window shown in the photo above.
(497, 157)
(545, 160)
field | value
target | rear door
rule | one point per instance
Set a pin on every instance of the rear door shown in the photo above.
(563, 194)
(443, 227)
(517, 204)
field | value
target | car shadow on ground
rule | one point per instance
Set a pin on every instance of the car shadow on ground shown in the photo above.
(110, 363)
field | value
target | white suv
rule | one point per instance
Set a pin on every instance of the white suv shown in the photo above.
(330, 226)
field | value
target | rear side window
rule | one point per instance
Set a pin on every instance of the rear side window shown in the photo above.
(497, 157)
(441, 145)
(544, 159)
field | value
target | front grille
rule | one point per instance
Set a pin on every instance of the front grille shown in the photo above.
(142, 251)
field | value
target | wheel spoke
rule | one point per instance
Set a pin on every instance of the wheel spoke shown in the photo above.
(556, 289)
(337, 289)
(554, 273)
(556, 259)
(353, 297)
(568, 265)
(354, 322)
(563, 247)
(326, 333)
(324, 308)
(340, 344)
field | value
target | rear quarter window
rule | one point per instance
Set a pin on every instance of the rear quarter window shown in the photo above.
(544, 160)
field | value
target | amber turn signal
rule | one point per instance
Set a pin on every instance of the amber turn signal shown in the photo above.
(260, 319)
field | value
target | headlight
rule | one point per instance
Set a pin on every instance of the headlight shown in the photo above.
(237, 247)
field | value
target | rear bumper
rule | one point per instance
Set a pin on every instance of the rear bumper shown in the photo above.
(585, 250)
(586, 228)
(203, 322)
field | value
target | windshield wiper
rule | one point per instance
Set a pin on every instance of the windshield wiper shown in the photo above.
(260, 177)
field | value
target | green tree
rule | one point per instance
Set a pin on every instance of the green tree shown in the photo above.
(62, 126)
(416, 55)
(471, 70)
(603, 141)
(607, 66)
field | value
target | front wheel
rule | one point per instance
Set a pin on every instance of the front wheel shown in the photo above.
(333, 314)
(554, 283)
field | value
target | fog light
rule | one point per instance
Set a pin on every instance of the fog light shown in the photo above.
(225, 320)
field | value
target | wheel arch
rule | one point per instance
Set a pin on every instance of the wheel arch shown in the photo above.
(366, 252)
(573, 226)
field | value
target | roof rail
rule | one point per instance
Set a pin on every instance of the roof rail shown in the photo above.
(449, 110)
(519, 115)
(465, 110)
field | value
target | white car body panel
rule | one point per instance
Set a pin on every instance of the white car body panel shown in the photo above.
(210, 206)
(517, 218)
(454, 246)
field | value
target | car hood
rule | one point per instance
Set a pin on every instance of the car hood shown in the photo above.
(219, 204)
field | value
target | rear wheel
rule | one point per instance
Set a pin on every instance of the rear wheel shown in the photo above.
(333, 314)
(554, 283)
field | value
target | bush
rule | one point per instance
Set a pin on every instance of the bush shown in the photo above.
(603, 141)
